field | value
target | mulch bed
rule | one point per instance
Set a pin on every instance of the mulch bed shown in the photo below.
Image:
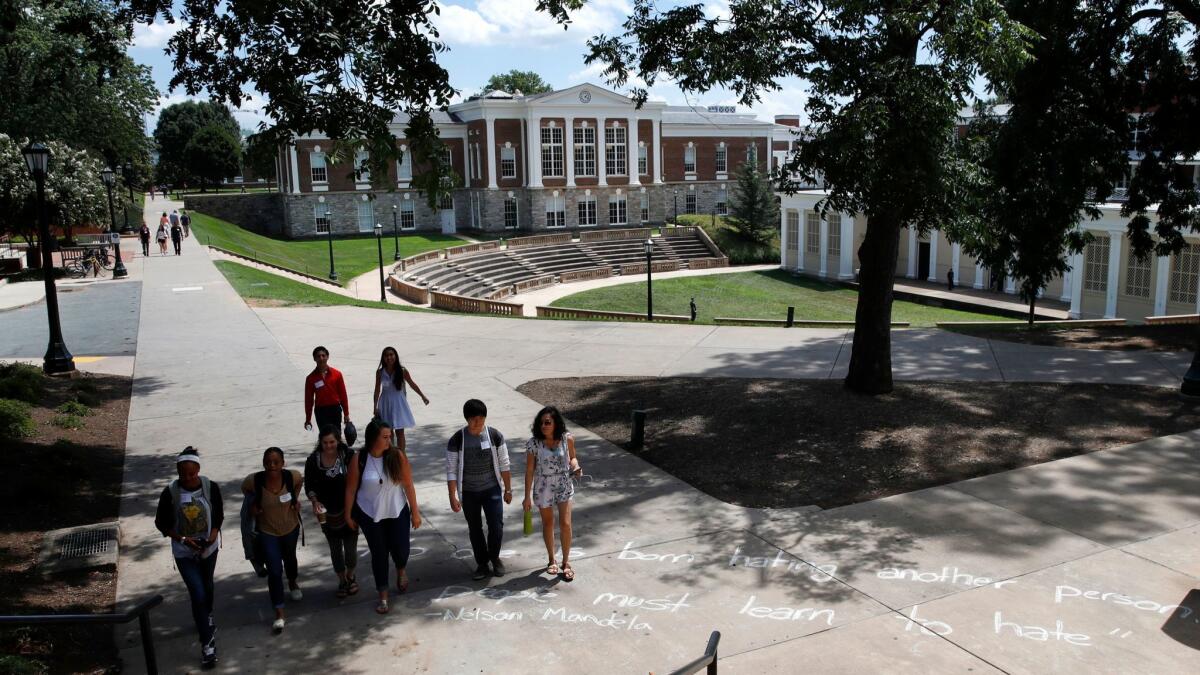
(62, 478)
(785, 443)
(1171, 338)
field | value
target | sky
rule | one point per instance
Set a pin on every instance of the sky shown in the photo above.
(488, 37)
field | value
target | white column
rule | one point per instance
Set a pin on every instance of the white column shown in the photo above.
(534, 153)
(1076, 285)
(1114, 273)
(601, 165)
(1160, 284)
(955, 258)
(847, 261)
(912, 253)
(1066, 291)
(783, 237)
(658, 152)
(823, 271)
(978, 275)
(800, 241)
(933, 256)
(631, 152)
(569, 150)
(295, 169)
(1010, 284)
(492, 169)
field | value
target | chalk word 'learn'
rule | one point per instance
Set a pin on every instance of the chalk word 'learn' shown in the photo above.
(786, 613)
(653, 604)
(820, 573)
(1039, 634)
(500, 595)
(927, 626)
(1061, 592)
(948, 574)
(612, 621)
(630, 553)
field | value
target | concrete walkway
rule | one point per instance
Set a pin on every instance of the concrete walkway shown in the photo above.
(1071, 566)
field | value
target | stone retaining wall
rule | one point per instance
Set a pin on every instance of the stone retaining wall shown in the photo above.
(257, 212)
(640, 268)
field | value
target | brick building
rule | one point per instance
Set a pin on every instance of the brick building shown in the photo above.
(576, 158)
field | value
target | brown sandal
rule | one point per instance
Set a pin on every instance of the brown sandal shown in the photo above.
(552, 569)
(568, 573)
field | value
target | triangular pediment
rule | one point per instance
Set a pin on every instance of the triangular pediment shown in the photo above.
(583, 95)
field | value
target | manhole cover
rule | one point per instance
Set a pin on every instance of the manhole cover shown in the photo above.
(80, 547)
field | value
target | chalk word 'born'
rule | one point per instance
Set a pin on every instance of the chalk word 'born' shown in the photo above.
(820, 573)
(786, 613)
(950, 574)
(1039, 634)
(630, 553)
(1061, 592)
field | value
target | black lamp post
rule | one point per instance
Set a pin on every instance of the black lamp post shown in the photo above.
(329, 232)
(649, 289)
(395, 233)
(379, 245)
(58, 359)
(127, 174)
(119, 271)
(676, 221)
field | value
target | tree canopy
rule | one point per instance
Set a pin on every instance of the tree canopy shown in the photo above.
(753, 212)
(213, 154)
(525, 81)
(177, 128)
(75, 193)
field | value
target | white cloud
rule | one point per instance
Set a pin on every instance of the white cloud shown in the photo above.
(248, 116)
(518, 22)
(155, 35)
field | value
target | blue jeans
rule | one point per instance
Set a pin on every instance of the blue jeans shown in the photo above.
(280, 553)
(492, 506)
(197, 575)
(385, 538)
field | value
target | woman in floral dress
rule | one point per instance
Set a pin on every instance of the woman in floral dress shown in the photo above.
(549, 465)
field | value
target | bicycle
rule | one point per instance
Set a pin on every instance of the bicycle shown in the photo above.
(92, 261)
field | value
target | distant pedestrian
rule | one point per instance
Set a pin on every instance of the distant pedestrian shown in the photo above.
(144, 235)
(381, 499)
(325, 479)
(477, 466)
(190, 512)
(549, 464)
(186, 221)
(275, 491)
(325, 394)
(950, 278)
(177, 237)
(391, 395)
(151, 192)
(162, 234)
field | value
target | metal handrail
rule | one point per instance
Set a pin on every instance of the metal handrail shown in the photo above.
(709, 660)
(141, 611)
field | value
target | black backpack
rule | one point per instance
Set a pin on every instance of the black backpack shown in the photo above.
(289, 483)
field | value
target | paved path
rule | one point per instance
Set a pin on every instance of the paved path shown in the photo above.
(1070, 566)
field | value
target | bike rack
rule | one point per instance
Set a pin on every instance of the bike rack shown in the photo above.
(140, 611)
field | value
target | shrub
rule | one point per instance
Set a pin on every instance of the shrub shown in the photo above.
(74, 408)
(22, 382)
(20, 665)
(67, 421)
(15, 420)
(86, 392)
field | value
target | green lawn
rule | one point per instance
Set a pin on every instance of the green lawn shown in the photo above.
(754, 295)
(254, 284)
(741, 251)
(352, 256)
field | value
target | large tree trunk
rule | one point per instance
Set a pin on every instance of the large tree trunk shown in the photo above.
(1032, 314)
(871, 356)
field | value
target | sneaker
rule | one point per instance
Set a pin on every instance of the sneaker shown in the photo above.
(481, 572)
(277, 627)
(497, 568)
(296, 594)
(208, 657)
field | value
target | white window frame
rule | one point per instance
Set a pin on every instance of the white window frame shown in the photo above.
(834, 222)
(1137, 276)
(404, 172)
(552, 152)
(752, 154)
(1095, 264)
(645, 207)
(616, 151)
(510, 208)
(408, 215)
(446, 202)
(585, 210)
(320, 220)
(316, 160)
(556, 212)
(508, 162)
(448, 156)
(812, 232)
(722, 207)
(793, 230)
(721, 159)
(689, 159)
(585, 151)
(618, 210)
(1185, 275)
(643, 160)
(689, 203)
(361, 157)
(366, 216)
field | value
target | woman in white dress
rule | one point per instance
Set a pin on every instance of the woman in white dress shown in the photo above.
(391, 395)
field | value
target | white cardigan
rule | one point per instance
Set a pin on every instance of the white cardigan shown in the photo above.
(454, 463)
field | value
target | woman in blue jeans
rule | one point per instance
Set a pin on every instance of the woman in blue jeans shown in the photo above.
(277, 513)
(381, 499)
(190, 512)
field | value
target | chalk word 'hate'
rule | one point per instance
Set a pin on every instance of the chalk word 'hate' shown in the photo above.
(500, 595)
(652, 604)
(786, 613)
(820, 573)
(948, 574)
(1061, 592)
(630, 553)
(1039, 634)
(927, 626)
(612, 621)
(475, 614)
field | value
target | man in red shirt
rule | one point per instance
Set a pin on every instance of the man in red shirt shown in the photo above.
(325, 390)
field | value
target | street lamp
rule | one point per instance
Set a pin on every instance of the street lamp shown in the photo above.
(395, 233)
(379, 245)
(57, 359)
(649, 290)
(127, 174)
(329, 232)
(119, 271)
(676, 220)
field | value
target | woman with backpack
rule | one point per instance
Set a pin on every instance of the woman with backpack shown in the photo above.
(391, 396)
(161, 235)
(325, 477)
(190, 512)
(380, 498)
(276, 509)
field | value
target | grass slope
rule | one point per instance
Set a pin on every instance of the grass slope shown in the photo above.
(755, 295)
(741, 251)
(264, 288)
(352, 257)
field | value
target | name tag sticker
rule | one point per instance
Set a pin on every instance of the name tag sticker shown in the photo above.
(185, 498)
(285, 497)
(485, 443)
(318, 384)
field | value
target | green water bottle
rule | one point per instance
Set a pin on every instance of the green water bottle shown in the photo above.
(528, 522)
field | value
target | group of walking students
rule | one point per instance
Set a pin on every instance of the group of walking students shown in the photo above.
(369, 491)
(176, 227)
